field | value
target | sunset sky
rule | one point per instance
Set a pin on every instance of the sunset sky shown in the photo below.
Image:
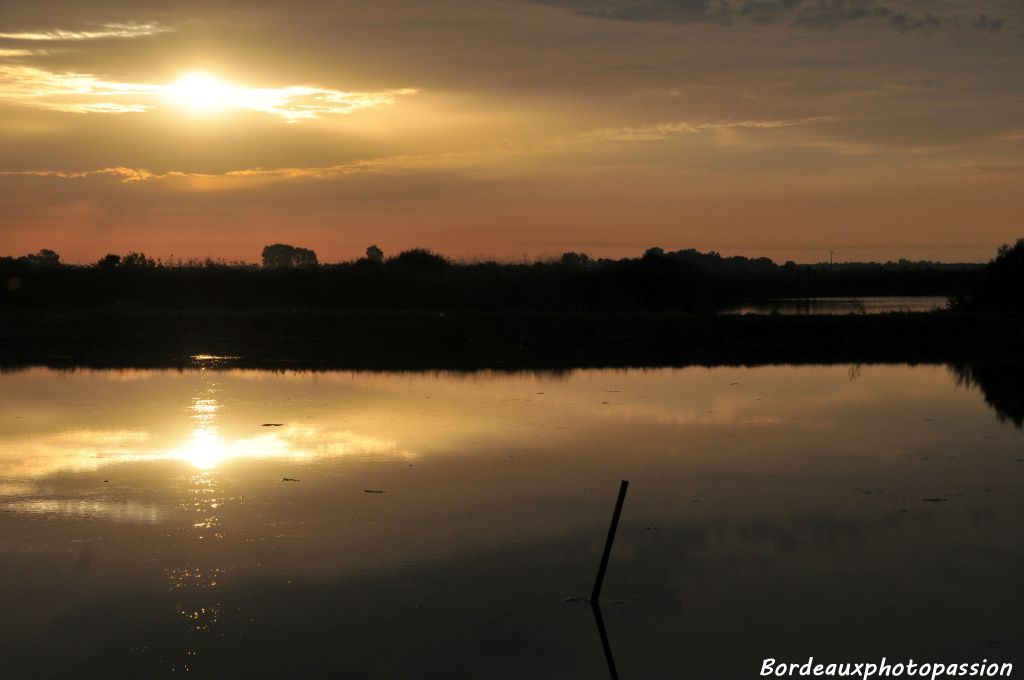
(878, 129)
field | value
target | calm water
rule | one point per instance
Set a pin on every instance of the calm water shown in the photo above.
(438, 523)
(842, 305)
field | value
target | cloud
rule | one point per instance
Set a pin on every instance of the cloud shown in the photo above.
(87, 93)
(991, 168)
(901, 23)
(767, 11)
(819, 14)
(683, 11)
(127, 175)
(832, 14)
(66, 91)
(666, 130)
(128, 30)
(988, 24)
(446, 162)
(9, 53)
(246, 176)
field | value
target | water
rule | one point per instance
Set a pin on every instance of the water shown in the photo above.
(842, 305)
(438, 523)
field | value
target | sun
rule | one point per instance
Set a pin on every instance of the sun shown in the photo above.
(201, 93)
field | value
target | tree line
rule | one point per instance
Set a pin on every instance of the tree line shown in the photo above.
(291, 277)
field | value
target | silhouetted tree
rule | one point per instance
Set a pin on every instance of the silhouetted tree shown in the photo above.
(1003, 287)
(419, 258)
(374, 255)
(109, 261)
(575, 260)
(135, 260)
(44, 258)
(684, 281)
(283, 256)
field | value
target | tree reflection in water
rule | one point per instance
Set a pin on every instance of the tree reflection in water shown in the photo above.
(1002, 386)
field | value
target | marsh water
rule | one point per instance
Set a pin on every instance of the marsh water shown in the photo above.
(242, 523)
(842, 305)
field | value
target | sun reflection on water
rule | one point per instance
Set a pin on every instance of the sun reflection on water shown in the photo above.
(205, 450)
(217, 431)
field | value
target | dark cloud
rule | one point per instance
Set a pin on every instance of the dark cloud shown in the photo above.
(820, 14)
(985, 23)
(901, 23)
(831, 14)
(768, 11)
(682, 11)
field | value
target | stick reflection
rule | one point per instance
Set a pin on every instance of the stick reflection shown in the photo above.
(608, 657)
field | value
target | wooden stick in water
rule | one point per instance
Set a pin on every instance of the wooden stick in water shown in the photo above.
(608, 543)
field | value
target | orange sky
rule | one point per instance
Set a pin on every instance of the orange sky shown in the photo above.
(875, 128)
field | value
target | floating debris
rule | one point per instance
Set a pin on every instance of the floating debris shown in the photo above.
(290, 479)
(576, 599)
(934, 500)
(271, 424)
(373, 491)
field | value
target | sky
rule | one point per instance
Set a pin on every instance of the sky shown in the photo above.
(877, 129)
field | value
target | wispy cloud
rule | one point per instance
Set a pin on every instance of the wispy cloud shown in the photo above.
(988, 169)
(74, 92)
(247, 177)
(103, 31)
(820, 14)
(128, 175)
(667, 130)
(87, 93)
(13, 53)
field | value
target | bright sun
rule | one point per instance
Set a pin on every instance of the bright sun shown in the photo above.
(201, 93)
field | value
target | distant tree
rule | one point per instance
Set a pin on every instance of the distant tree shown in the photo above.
(134, 260)
(109, 261)
(374, 255)
(575, 260)
(419, 258)
(44, 258)
(283, 256)
(654, 252)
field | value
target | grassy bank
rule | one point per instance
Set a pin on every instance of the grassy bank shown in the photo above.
(469, 340)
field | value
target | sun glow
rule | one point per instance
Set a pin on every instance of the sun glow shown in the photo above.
(201, 93)
(198, 92)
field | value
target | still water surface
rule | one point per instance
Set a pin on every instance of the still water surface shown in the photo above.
(235, 523)
(830, 306)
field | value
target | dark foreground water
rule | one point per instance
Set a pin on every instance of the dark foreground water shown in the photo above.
(360, 525)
